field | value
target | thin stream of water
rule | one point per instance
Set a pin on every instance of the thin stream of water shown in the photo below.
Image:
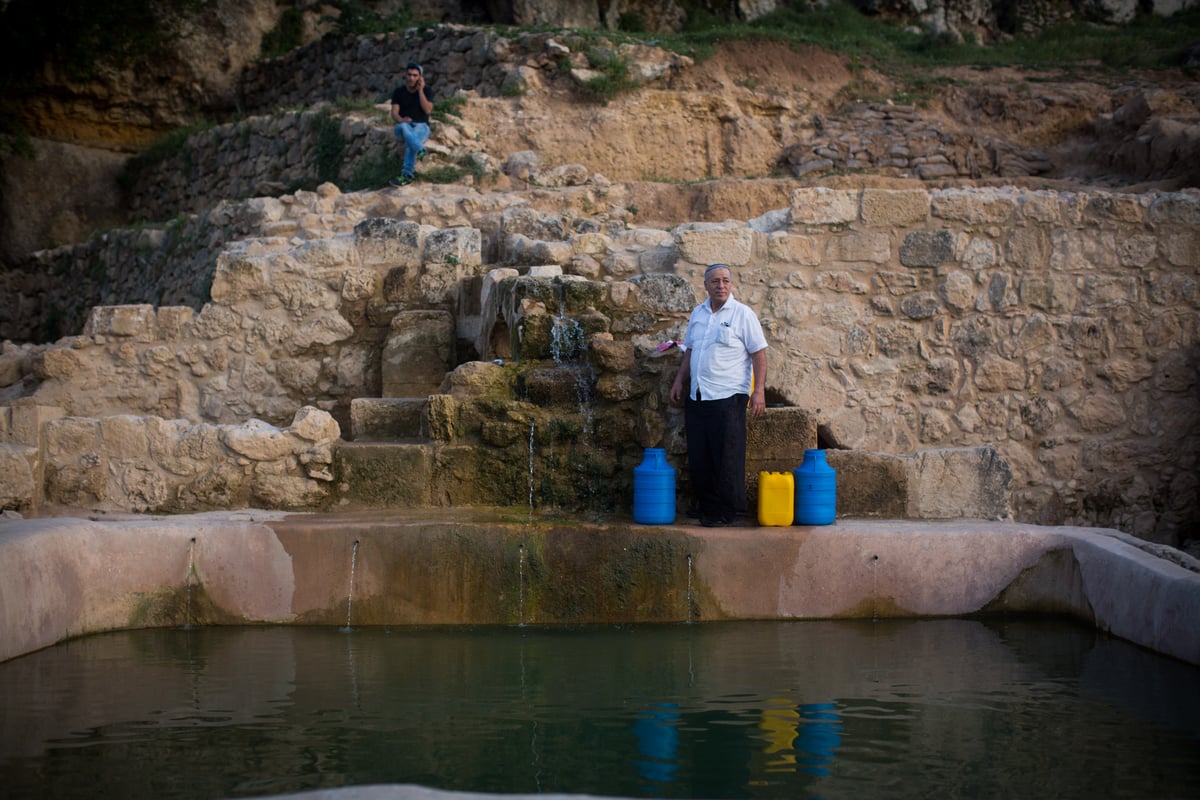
(350, 590)
(191, 571)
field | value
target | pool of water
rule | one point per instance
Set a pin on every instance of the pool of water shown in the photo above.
(944, 708)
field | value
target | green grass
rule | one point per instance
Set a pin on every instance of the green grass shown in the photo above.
(1150, 42)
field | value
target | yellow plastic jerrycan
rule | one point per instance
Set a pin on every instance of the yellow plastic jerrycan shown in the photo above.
(776, 495)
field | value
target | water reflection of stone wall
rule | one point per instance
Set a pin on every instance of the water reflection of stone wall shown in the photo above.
(1058, 329)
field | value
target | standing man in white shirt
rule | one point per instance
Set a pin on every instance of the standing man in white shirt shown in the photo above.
(725, 349)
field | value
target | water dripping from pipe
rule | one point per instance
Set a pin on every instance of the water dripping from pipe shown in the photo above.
(350, 591)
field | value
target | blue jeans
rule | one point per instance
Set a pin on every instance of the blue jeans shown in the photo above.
(413, 136)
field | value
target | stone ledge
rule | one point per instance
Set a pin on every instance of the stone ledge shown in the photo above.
(461, 567)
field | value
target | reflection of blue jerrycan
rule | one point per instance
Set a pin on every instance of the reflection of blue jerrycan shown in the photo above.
(654, 489)
(816, 490)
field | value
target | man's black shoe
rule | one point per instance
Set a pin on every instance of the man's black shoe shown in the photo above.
(713, 522)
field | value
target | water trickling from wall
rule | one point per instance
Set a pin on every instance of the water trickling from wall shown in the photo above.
(521, 584)
(689, 589)
(568, 348)
(191, 571)
(350, 591)
(532, 429)
(874, 588)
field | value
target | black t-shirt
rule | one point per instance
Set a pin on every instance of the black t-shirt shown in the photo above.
(410, 106)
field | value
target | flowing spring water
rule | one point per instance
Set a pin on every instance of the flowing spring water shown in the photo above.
(532, 427)
(191, 570)
(350, 591)
(689, 589)
(521, 584)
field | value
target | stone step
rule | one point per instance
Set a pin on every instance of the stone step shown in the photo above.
(385, 474)
(389, 419)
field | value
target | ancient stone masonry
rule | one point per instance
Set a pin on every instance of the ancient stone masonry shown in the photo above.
(1055, 336)
(262, 157)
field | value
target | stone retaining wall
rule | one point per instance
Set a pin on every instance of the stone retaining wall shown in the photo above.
(263, 156)
(1062, 329)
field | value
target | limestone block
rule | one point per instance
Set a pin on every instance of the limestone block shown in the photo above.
(1177, 208)
(621, 265)
(259, 441)
(385, 475)
(475, 379)
(390, 242)
(1039, 206)
(1095, 413)
(359, 284)
(1136, 250)
(418, 353)
(319, 327)
(1105, 207)
(1181, 248)
(240, 277)
(1049, 292)
(387, 418)
(777, 440)
(26, 418)
(216, 321)
(590, 243)
(136, 486)
(135, 321)
(56, 362)
(870, 484)
(438, 283)
(971, 483)
(462, 246)
(823, 206)
(315, 425)
(619, 387)
(858, 247)
(998, 374)
(974, 206)
(18, 490)
(328, 251)
(522, 165)
(1027, 248)
(172, 322)
(551, 252)
(895, 206)
(182, 448)
(74, 462)
(610, 355)
(664, 293)
(957, 290)
(715, 242)
(567, 384)
(657, 260)
(292, 492)
(1109, 291)
(125, 437)
(793, 248)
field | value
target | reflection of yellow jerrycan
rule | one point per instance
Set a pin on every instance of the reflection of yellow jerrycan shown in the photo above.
(776, 494)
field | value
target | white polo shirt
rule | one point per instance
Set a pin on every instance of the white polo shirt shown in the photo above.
(719, 344)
